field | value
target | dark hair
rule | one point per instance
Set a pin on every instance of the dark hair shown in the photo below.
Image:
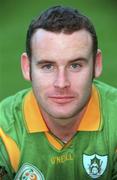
(61, 19)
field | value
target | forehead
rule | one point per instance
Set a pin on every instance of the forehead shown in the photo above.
(48, 43)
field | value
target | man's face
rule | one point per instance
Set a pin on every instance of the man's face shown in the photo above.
(62, 69)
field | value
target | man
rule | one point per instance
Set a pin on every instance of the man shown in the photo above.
(64, 127)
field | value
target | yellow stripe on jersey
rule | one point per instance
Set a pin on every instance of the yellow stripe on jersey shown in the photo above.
(53, 141)
(12, 149)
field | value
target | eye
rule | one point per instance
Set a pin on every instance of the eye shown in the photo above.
(47, 67)
(75, 66)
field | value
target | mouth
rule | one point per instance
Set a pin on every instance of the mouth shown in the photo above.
(62, 99)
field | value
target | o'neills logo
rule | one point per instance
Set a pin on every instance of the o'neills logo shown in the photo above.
(62, 158)
(95, 165)
(29, 172)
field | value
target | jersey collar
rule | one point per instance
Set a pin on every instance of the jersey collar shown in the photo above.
(34, 121)
(92, 120)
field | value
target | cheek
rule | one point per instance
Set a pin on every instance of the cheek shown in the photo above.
(82, 79)
(41, 82)
(43, 79)
(83, 85)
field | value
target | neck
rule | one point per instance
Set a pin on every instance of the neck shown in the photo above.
(64, 129)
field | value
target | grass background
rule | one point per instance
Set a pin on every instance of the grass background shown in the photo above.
(15, 17)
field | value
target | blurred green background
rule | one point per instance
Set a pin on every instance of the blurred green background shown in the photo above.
(15, 17)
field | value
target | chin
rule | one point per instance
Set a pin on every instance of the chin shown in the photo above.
(62, 115)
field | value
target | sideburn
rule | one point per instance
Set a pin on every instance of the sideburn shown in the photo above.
(30, 73)
(93, 73)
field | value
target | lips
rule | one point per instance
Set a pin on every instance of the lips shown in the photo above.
(61, 99)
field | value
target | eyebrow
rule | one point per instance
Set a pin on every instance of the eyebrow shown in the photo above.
(79, 59)
(44, 62)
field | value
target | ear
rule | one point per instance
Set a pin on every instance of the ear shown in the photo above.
(25, 66)
(98, 64)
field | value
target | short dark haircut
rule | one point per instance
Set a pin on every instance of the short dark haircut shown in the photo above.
(61, 19)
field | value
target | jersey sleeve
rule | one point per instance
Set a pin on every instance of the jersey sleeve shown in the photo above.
(114, 172)
(6, 171)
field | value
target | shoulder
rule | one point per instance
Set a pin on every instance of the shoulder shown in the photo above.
(107, 92)
(11, 109)
(108, 105)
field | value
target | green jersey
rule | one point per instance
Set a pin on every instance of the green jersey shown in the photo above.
(28, 150)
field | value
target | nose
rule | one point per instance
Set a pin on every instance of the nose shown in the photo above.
(62, 79)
